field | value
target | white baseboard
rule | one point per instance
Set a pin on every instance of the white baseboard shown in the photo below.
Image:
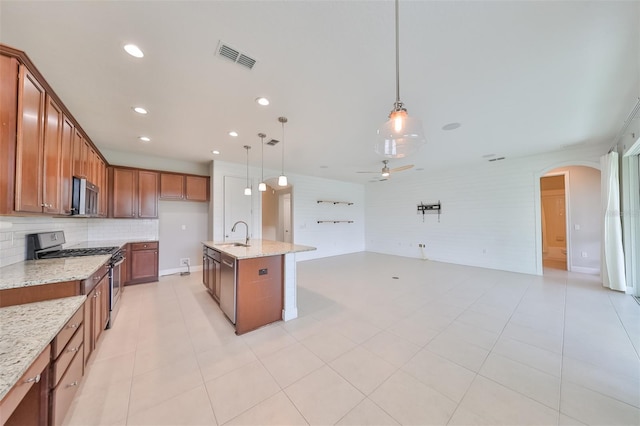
(585, 270)
(172, 271)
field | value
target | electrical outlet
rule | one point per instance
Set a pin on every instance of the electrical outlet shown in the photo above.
(584, 254)
(185, 261)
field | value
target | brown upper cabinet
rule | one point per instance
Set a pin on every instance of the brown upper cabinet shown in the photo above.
(38, 148)
(134, 193)
(174, 186)
(42, 146)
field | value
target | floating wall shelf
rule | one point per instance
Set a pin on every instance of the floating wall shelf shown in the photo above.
(335, 221)
(335, 202)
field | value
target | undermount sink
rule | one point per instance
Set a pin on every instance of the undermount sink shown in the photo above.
(233, 245)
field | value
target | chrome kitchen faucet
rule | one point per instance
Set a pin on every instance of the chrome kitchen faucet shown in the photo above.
(233, 229)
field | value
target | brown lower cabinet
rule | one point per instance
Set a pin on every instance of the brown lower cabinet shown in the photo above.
(142, 262)
(43, 395)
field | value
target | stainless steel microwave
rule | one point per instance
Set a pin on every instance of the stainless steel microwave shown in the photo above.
(84, 199)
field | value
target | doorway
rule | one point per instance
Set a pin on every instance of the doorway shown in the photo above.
(277, 212)
(581, 217)
(554, 221)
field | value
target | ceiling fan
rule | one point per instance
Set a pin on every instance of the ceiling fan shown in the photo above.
(386, 171)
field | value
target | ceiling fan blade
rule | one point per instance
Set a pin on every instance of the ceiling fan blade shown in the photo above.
(401, 168)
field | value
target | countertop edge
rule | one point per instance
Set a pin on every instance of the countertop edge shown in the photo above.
(251, 253)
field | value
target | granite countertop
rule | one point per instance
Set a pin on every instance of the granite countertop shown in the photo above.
(47, 271)
(257, 248)
(26, 330)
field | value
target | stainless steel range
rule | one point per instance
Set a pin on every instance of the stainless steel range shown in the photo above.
(48, 245)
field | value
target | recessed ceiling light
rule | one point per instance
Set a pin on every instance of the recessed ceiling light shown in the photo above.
(324, 167)
(233, 134)
(140, 110)
(451, 126)
(262, 101)
(215, 152)
(144, 139)
(133, 50)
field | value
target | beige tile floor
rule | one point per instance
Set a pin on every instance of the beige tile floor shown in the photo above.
(441, 344)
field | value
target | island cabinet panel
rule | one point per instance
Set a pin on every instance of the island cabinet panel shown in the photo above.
(8, 129)
(30, 140)
(259, 292)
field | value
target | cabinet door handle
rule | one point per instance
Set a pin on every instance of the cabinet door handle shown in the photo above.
(73, 349)
(35, 379)
(95, 295)
(73, 325)
(72, 384)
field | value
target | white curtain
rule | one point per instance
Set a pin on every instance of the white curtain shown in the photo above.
(612, 255)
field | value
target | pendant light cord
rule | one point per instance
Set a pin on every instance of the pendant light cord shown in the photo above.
(398, 103)
(282, 120)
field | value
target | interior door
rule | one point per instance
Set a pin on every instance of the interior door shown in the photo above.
(237, 206)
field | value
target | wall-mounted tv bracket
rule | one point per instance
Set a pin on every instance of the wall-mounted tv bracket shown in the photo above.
(429, 208)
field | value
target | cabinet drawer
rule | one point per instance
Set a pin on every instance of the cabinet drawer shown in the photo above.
(65, 334)
(62, 395)
(62, 362)
(144, 246)
(33, 374)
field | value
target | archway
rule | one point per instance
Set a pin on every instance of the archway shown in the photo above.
(277, 212)
(581, 225)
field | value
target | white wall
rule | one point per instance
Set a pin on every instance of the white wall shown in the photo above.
(329, 239)
(176, 242)
(490, 211)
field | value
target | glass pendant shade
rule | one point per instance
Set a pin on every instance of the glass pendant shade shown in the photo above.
(400, 136)
(247, 191)
(282, 180)
(262, 187)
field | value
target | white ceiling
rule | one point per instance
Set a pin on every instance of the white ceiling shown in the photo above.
(521, 77)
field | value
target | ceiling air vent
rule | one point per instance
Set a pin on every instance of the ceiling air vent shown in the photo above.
(273, 142)
(229, 52)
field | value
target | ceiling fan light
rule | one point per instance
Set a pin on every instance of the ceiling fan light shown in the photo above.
(282, 180)
(262, 187)
(385, 173)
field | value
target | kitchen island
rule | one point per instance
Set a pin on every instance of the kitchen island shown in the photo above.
(256, 283)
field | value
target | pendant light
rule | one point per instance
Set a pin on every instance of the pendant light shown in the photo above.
(262, 187)
(401, 135)
(282, 180)
(247, 190)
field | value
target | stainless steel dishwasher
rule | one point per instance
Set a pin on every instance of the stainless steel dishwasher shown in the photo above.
(228, 286)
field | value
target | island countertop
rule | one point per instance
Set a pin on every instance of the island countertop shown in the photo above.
(257, 248)
(26, 331)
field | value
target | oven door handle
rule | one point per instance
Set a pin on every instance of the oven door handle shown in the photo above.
(118, 262)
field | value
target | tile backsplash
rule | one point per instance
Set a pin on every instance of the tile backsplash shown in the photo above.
(123, 229)
(13, 231)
